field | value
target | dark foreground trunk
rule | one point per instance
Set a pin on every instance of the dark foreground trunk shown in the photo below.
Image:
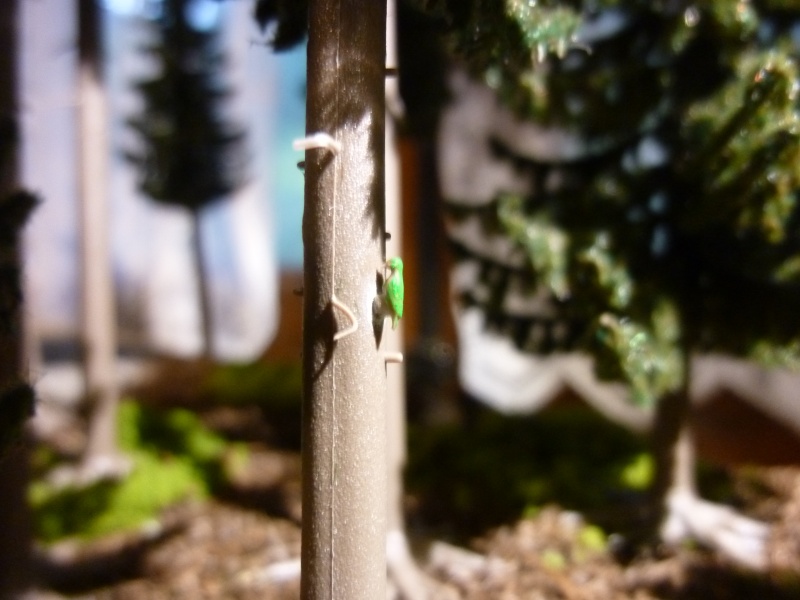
(344, 398)
(15, 535)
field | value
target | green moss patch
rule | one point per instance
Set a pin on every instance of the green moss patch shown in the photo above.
(175, 457)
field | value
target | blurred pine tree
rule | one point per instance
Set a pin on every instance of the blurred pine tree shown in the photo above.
(189, 155)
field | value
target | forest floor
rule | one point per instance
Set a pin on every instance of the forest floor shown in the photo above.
(244, 543)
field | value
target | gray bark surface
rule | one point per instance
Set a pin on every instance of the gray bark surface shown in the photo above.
(344, 413)
(97, 292)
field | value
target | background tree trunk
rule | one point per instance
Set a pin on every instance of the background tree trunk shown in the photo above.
(344, 413)
(203, 289)
(401, 566)
(673, 451)
(15, 531)
(97, 286)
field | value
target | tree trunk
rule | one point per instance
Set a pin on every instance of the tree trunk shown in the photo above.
(97, 293)
(344, 414)
(203, 288)
(401, 566)
(15, 531)
(673, 450)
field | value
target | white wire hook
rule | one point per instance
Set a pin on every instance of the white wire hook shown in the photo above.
(349, 314)
(392, 357)
(318, 140)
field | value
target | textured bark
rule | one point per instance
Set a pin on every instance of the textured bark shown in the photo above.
(344, 414)
(97, 292)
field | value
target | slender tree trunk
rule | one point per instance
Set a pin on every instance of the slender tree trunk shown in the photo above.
(344, 413)
(673, 449)
(99, 323)
(203, 287)
(15, 531)
(401, 566)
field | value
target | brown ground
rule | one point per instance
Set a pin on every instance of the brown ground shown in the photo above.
(245, 545)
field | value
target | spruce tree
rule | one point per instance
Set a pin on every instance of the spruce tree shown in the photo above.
(664, 222)
(190, 156)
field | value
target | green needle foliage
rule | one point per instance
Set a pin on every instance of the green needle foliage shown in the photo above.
(674, 229)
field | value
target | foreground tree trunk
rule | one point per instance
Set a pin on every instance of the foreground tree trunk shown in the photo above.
(101, 456)
(15, 531)
(344, 414)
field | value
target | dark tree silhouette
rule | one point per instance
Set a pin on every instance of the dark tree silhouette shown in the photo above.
(16, 396)
(190, 156)
(16, 205)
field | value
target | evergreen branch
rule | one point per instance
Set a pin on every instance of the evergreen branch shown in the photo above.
(289, 19)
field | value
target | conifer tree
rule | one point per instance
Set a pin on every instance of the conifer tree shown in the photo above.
(659, 217)
(664, 220)
(189, 156)
(347, 85)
